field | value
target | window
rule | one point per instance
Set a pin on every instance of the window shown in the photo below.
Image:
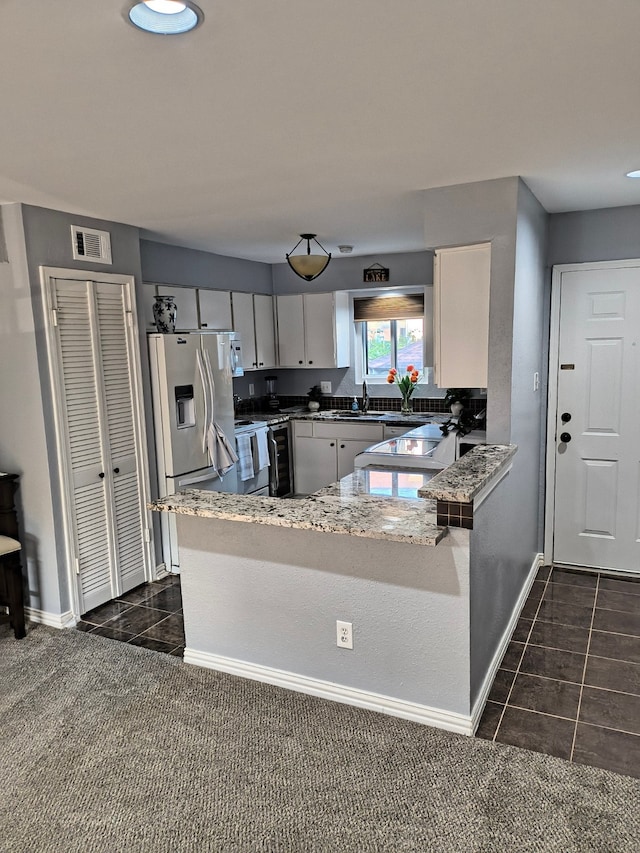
(391, 333)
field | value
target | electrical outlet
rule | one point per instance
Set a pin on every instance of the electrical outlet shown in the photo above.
(344, 635)
(252, 389)
(325, 387)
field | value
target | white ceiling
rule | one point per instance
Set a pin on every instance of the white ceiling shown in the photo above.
(333, 116)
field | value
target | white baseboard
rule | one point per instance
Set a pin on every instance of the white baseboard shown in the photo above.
(478, 708)
(53, 620)
(436, 717)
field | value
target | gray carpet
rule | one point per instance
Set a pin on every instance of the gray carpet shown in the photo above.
(109, 747)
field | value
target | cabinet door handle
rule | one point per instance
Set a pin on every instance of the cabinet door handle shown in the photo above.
(116, 470)
(333, 444)
(310, 361)
(261, 363)
(300, 362)
(101, 475)
(565, 437)
(343, 446)
(204, 325)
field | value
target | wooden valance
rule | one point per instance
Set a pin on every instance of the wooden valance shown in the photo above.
(403, 307)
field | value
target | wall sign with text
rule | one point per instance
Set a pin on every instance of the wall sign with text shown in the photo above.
(375, 273)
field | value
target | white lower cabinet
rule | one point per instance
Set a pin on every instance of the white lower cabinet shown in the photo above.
(325, 452)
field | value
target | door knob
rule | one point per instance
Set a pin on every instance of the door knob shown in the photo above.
(565, 417)
(565, 436)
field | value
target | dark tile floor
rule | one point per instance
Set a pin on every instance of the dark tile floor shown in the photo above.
(569, 682)
(149, 615)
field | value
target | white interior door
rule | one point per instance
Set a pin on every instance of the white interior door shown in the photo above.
(94, 371)
(119, 426)
(596, 518)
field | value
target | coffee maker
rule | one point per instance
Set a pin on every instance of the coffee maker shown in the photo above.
(272, 398)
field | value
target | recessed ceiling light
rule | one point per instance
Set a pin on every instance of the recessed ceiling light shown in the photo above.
(634, 174)
(165, 17)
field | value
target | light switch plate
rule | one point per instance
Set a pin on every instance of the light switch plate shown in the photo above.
(325, 387)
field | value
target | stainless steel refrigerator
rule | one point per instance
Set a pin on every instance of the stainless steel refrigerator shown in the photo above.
(192, 385)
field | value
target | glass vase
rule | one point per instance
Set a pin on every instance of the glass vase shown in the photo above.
(405, 407)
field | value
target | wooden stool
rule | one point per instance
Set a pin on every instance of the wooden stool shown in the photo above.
(11, 594)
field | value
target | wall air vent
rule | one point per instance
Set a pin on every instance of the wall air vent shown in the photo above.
(91, 245)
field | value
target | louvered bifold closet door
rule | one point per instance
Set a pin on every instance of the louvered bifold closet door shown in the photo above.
(119, 422)
(81, 406)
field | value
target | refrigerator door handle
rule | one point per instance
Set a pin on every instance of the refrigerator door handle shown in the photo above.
(205, 397)
(212, 390)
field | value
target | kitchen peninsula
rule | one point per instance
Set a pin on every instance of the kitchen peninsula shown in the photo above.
(261, 599)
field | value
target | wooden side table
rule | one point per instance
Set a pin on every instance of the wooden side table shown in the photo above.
(11, 589)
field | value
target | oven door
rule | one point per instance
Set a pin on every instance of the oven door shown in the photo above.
(253, 460)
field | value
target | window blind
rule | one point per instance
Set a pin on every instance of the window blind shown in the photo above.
(369, 308)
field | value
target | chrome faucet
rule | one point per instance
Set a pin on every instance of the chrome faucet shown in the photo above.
(365, 398)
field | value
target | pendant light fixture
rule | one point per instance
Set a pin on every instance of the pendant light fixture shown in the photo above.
(308, 266)
(165, 17)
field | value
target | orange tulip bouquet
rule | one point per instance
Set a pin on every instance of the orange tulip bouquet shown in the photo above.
(407, 385)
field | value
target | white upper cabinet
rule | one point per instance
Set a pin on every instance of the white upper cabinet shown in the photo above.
(462, 277)
(215, 310)
(186, 299)
(313, 329)
(265, 330)
(243, 323)
(253, 320)
(290, 313)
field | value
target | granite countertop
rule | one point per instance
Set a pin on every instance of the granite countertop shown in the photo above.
(372, 416)
(465, 478)
(269, 418)
(348, 508)
(395, 418)
(395, 519)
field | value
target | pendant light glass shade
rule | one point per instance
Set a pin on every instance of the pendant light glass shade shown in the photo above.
(308, 266)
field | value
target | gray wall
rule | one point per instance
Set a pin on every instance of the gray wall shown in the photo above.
(594, 235)
(23, 440)
(46, 240)
(164, 264)
(270, 596)
(406, 269)
(511, 521)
